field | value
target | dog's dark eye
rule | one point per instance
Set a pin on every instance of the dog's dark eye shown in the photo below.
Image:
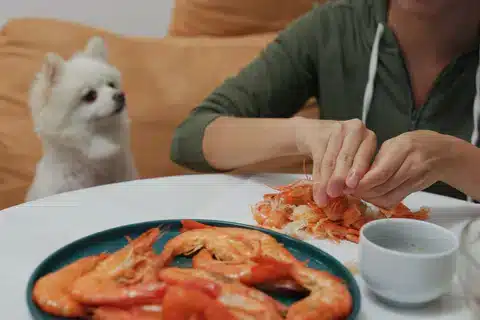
(90, 96)
(112, 85)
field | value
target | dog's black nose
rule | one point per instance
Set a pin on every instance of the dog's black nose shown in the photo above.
(119, 98)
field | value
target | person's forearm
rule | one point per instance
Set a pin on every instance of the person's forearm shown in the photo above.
(463, 173)
(231, 143)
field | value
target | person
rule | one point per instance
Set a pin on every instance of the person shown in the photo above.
(397, 82)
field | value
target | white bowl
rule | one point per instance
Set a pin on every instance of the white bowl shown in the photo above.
(407, 261)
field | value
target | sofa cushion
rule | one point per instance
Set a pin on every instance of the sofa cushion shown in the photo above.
(163, 79)
(234, 17)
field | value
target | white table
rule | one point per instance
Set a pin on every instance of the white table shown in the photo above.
(30, 232)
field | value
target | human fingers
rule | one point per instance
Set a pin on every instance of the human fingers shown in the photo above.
(390, 200)
(354, 134)
(319, 193)
(362, 160)
(396, 195)
(387, 162)
(415, 168)
(402, 174)
(327, 165)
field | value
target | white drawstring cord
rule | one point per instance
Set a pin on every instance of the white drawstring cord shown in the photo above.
(372, 71)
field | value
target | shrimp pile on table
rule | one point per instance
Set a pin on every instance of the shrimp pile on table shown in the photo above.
(229, 268)
(293, 211)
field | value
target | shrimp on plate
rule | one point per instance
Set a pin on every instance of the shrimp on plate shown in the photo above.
(329, 297)
(232, 244)
(261, 272)
(242, 302)
(126, 276)
(250, 256)
(141, 312)
(52, 291)
(230, 265)
(198, 294)
(179, 303)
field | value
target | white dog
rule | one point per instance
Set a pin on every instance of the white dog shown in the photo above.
(79, 113)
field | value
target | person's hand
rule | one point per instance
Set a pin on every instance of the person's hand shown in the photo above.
(405, 164)
(342, 152)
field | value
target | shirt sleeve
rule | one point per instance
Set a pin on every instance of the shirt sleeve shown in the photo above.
(275, 84)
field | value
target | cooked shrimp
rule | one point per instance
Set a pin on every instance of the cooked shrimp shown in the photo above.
(232, 238)
(251, 268)
(354, 216)
(225, 243)
(242, 301)
(178, 303)
(326, 229)
(192, 241)
(336, 208)
(296, 193)
(51, 292)
(144, 312)
(271, 274)
(126, 276)
(402, 211)
(293, 211)
(182, 304)
(329, 297)
(270, 218)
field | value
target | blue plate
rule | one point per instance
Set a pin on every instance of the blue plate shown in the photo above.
(115, 238)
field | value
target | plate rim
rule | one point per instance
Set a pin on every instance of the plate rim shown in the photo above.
(352, 283)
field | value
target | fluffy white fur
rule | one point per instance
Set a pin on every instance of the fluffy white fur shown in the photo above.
(81, 123)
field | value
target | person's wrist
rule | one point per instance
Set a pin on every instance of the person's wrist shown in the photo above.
(298, 124)
(453, 157)
(303, 127)
(287, 133)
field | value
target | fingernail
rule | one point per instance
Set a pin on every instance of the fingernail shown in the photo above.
(348, 191)
(334, 190)
(352, 179)
(320, 199)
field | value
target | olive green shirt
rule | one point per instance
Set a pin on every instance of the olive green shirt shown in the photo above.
(326, 54)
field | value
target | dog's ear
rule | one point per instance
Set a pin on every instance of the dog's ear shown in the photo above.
(52, 67)
(96, 48)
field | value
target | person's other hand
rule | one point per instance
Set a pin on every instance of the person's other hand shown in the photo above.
(342, 152)
(405, 164)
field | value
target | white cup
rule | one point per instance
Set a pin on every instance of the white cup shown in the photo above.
(407, 261)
